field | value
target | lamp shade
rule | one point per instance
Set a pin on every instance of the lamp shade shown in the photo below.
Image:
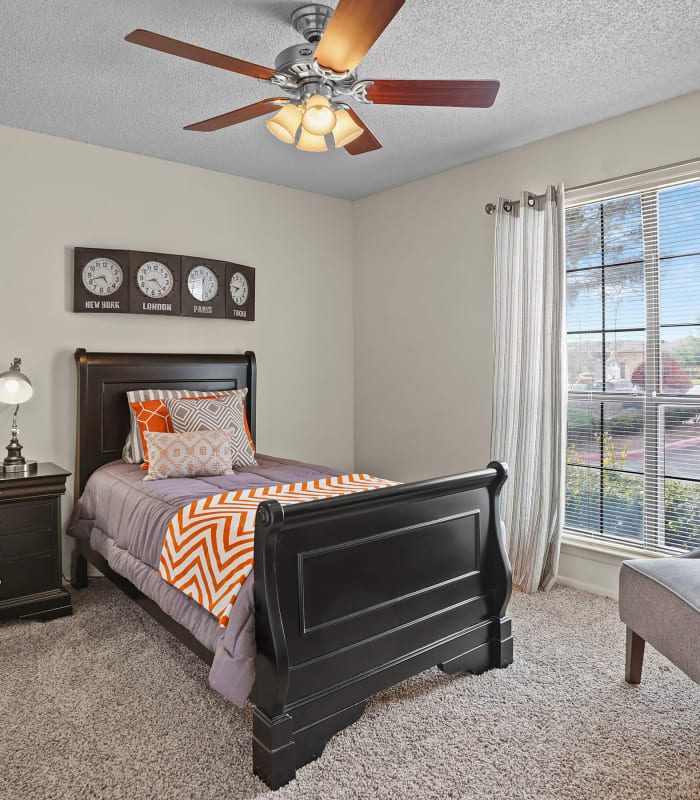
(15, 387)
(346, 129)
(319, 117)
(285, 123)
(310, 143)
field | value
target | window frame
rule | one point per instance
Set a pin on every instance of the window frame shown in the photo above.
(647, 185)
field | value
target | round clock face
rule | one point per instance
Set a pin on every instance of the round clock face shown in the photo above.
(239, 288)
(202, 283)
(155, 279)
(102, 276)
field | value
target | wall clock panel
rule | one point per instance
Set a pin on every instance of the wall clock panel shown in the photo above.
(240, 292)
(101, 280)
(155, 283)
(203, 291)
(136, 282)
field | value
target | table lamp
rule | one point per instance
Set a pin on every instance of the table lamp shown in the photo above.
(15, 388)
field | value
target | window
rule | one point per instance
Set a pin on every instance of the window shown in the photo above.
(633, 341)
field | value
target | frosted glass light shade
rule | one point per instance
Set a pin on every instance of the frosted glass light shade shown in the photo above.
(310, 142)
(15, 387)
(285, 123)
(346, 129)
(319, 117)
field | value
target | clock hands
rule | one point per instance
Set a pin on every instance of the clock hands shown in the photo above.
(159, 286)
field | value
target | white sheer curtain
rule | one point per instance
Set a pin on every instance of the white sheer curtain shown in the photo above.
(528, 431)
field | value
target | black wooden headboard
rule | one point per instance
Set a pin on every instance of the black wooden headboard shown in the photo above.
(105, 378)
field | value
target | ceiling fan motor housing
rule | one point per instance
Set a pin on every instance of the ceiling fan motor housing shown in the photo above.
(296, 60)
(296, 74)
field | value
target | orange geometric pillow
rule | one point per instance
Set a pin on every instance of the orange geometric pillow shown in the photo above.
(151, 415)
(247, 429)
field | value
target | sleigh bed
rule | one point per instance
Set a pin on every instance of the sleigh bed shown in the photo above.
(350, 595)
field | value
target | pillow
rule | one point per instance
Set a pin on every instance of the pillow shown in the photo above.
(189, 455)
(132, 452)
(213, 414)
(151, 416)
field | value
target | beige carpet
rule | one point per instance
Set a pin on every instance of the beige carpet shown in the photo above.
(106, 705)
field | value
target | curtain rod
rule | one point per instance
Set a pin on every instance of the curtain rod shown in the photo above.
(490, 208)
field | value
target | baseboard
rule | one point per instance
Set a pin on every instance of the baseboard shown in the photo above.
(589, 570)
(586, 586)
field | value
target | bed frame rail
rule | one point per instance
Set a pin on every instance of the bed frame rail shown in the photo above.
(356, 593)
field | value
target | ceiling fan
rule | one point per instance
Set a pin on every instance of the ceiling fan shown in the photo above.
(320, 81)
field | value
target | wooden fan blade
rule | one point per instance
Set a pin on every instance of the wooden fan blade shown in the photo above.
(239, 115)
(354, 27)
(177, 48)
(365, 143)
(465, 94)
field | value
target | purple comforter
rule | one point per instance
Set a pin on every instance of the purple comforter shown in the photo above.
(126, 520)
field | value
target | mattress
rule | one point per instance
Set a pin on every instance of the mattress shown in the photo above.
(126, 519)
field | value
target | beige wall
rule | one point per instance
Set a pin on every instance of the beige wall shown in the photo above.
(424, 286)
(55, 194)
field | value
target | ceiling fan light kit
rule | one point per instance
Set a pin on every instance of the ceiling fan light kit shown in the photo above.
(346, 130)
(285, 124)
(311, 143)
(320, 80)
(319, 117)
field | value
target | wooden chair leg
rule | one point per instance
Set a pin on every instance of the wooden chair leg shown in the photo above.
(635, 657)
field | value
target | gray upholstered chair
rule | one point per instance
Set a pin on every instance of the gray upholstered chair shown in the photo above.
(660, 604)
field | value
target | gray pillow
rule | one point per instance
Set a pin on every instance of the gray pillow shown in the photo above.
(189, 414)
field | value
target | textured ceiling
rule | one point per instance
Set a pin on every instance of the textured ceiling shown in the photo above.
(65, 70)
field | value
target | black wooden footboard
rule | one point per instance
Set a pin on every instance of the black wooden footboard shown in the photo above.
(356, 593)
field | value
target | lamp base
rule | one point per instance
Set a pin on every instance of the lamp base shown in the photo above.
(26, 467)
(14, 462)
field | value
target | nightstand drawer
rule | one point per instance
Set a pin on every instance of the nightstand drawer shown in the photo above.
(26, 543)
(18, 516)
(26, 576)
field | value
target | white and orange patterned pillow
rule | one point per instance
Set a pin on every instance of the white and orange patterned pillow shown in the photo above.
(189, 455)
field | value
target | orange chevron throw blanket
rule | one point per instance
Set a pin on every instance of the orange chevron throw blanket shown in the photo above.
(208, 549)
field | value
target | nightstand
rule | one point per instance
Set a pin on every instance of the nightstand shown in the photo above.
(30, 544)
